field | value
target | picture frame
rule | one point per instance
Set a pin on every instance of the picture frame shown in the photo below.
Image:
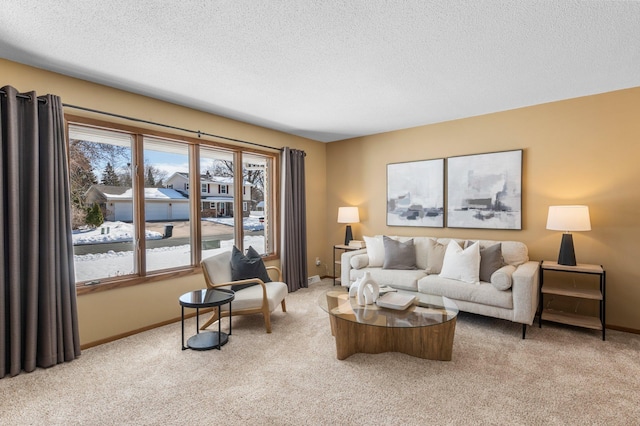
(415, 193)
(485, 190)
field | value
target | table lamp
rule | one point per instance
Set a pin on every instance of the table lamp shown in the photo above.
(567, 219)
(348, 215)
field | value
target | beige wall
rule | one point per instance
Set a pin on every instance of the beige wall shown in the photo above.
(115, 312)
(579, 151)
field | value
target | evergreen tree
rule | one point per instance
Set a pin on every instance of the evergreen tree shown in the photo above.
(109, 176)
(94, 216)
(150, 181)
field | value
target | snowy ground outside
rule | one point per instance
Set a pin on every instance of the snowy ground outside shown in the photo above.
(113, 232)
(110, 232)
(115, 263)
(249, 223)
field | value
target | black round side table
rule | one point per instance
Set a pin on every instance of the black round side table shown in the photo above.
(206, 298)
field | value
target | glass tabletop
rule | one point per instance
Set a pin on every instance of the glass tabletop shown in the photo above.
(206, 298)
(426, 310)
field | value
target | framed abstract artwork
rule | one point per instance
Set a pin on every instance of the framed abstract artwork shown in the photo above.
(485, 191)
(415, 193)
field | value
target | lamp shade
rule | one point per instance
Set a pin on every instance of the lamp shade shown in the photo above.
(568, 218)
(348, 215)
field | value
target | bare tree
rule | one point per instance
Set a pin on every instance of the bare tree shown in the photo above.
(251, 175)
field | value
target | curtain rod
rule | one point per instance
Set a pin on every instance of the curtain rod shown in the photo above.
(197, 132)
(20, 95)
(139, 120)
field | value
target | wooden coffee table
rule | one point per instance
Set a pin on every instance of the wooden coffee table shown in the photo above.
(425, 329)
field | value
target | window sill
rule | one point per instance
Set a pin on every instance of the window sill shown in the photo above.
(109, 284)
(85, 288)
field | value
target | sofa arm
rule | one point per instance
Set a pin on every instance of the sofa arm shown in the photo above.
(526, 281)
(345, 267)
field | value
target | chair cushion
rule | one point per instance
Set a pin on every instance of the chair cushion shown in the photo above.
(246, 267)
(219, 267)
(251, 297)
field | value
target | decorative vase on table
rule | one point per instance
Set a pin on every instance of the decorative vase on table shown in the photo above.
(353, 289)
(368, 290)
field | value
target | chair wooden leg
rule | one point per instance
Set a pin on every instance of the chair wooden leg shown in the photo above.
(267, 321)
(214, 318)
(284, 306)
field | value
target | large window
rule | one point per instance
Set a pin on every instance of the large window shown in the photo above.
(101, 203)
(133, 213)
(257, 194)
(218, 210)
(166, 210)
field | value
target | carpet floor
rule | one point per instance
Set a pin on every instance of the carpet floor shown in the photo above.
(557, 376)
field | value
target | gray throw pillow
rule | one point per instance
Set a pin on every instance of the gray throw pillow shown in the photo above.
(399, 255)
(246, 267)
(490, 261)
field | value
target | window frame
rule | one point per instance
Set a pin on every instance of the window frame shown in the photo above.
(193, 145)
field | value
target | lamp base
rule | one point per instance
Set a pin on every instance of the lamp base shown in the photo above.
(567, 255)
(348, 236)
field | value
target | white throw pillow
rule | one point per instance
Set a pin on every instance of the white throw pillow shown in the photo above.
(359, 261)
(462, 264)
(375, 251)
(502, 278)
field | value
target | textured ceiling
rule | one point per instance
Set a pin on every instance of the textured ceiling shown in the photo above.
(334, 69)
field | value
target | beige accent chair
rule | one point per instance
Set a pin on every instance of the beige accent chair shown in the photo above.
(262, 298)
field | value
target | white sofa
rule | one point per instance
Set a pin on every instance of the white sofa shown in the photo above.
(511, 292)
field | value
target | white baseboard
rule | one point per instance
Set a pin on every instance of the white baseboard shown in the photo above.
(314, 279)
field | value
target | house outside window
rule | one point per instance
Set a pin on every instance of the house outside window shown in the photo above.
(105, 248)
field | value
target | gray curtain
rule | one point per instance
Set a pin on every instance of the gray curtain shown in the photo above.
(38, 315)
(294, 220)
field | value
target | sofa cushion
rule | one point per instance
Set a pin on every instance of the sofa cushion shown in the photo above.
(403, 280)
(490, 261)
(422, 256)
(398, 254)
(514, 253)
(359, 261)
(502, 278)
(461, 264)
(483, 293)
(375, 250)
(435, 256)
(490, 258)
